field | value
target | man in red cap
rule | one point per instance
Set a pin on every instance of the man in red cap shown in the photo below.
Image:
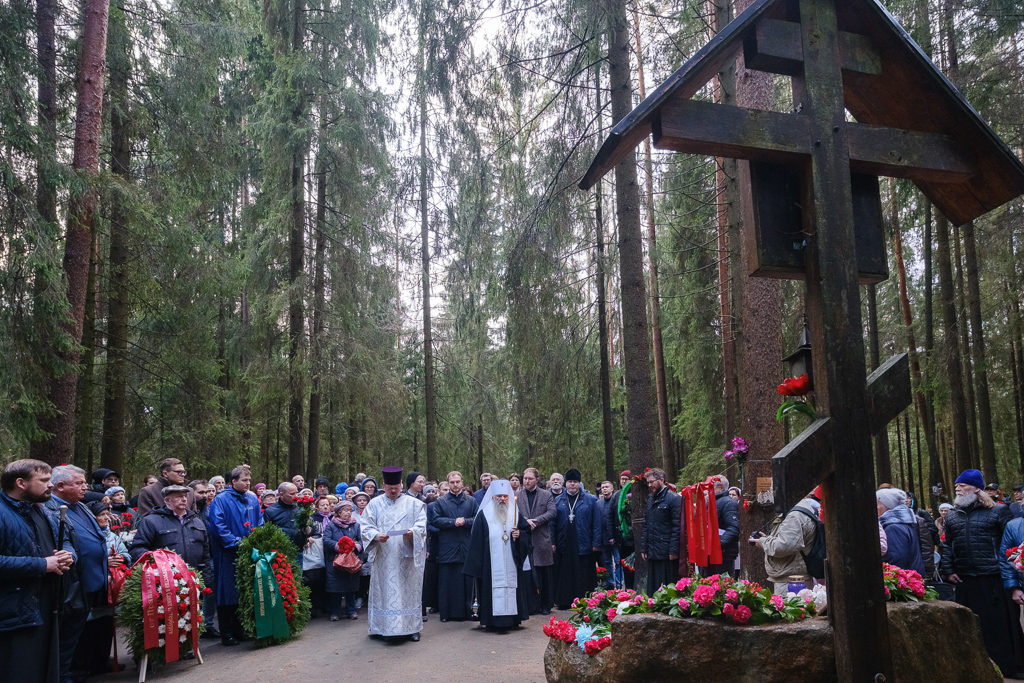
(394, 533)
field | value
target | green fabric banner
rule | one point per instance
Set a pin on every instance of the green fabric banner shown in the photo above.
(269, 605)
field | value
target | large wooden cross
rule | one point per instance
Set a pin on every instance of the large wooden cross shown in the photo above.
(867, 102)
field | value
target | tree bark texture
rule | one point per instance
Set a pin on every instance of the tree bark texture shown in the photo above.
(883, 466)
(602, 314)
(316, 339)
(62, 389)
(633, 296)
(429, 397)
(87, 380)
(965, 348)
(988, 446)
(118, 308)
(758, 325)
(668, 454)
(951, 332)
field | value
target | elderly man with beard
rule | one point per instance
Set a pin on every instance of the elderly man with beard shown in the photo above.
(974, 532)
(498, 549)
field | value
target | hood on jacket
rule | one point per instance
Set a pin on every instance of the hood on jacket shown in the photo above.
(376, 486)
(900, 514)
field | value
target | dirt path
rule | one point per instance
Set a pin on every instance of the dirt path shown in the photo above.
(340, 652)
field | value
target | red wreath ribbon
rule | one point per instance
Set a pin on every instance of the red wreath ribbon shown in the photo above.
(156, 567)
(700, 514)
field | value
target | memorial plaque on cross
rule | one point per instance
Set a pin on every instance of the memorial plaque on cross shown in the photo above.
(867, 102)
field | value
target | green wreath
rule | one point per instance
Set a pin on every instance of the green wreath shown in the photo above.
(130, 601)
(268, 538)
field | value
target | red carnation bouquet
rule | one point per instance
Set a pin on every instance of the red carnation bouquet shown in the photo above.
(302, 515)
(346, 545)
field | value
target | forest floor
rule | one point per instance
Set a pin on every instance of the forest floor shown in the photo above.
(341, 652)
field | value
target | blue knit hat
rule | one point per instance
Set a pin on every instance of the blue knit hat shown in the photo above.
(340, 488)
(972, 477)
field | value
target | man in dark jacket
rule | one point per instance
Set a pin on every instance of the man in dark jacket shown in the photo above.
(172, 471)
(604, 499)
(282, 514)
(174, 527)
(728, 529)
(102, 479)
(659, 543)
(30, 570)
(537, 507)
(577, 541)
(452, 515)
(973, 563)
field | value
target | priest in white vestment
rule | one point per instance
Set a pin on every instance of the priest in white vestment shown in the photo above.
(498, 555)
(394, 532)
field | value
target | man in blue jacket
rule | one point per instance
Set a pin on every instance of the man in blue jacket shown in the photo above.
(30, 570)
(91, 646)
(577, 541)
(901, 530)
(233, 516)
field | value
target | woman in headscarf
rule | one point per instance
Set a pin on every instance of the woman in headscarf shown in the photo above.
(360, 501)
(369, 487)
(313, 569)
(341, 584)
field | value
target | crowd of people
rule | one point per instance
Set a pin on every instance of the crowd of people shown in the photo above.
(510, 548)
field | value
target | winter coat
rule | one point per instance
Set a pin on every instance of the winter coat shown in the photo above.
(233, 516)
(152, 497)
(90, 544)
(282, 516)
(452, 541)
(973, 537)
(22, 570)
(624, 544)
(785, 541)
(729, 523)
(114, 543)
(339, 581)
(660, 536)
(587, 522)
(189, 539)
(543, 511)
(924, 534)
(1013, 537)
(904, 542)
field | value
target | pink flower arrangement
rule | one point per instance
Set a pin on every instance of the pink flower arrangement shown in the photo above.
(731, 595)
(704, 595)
(903, 585)
(742, 614)
(681, 584)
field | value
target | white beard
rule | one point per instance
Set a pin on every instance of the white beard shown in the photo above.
(501, 512)
(966, 500)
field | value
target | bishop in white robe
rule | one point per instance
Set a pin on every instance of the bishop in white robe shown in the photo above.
(498, 556)
(394, 532)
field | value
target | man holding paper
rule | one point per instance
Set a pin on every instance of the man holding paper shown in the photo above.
(394, 533)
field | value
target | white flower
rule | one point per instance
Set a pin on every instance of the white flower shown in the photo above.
(181, 638)
(162, 629)
(181, 623)
(161, 642)
(160, 609)
(188, 626)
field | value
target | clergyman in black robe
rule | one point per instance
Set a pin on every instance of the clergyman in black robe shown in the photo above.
(498, 548)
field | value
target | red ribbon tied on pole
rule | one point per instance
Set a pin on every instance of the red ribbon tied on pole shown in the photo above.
(167, 584)
(701, 516)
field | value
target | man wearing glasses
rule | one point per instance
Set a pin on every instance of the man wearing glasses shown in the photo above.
(172, 473)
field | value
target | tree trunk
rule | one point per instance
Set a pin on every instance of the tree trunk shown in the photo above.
(965, 350)
(883, 466)
(62, 389)
(988, 446)
(935, 470)
(118, 308)
(633, 296)
(758, 302)
(296, 324)
(958, 413)
(1019, 422)
(316, 340)
(602, 311)
(668, 454)
(87, 381)
(46, 53)
(429, 398)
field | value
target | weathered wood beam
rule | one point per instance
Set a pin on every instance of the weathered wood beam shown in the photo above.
(802, 464)
(888, 392)
(775, 46)
(697, 127)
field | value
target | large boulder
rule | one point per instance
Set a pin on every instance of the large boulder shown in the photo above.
(937, 641)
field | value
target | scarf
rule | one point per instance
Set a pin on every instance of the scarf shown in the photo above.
(342, 524)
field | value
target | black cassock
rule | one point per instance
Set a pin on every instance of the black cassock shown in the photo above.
(478, 564)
